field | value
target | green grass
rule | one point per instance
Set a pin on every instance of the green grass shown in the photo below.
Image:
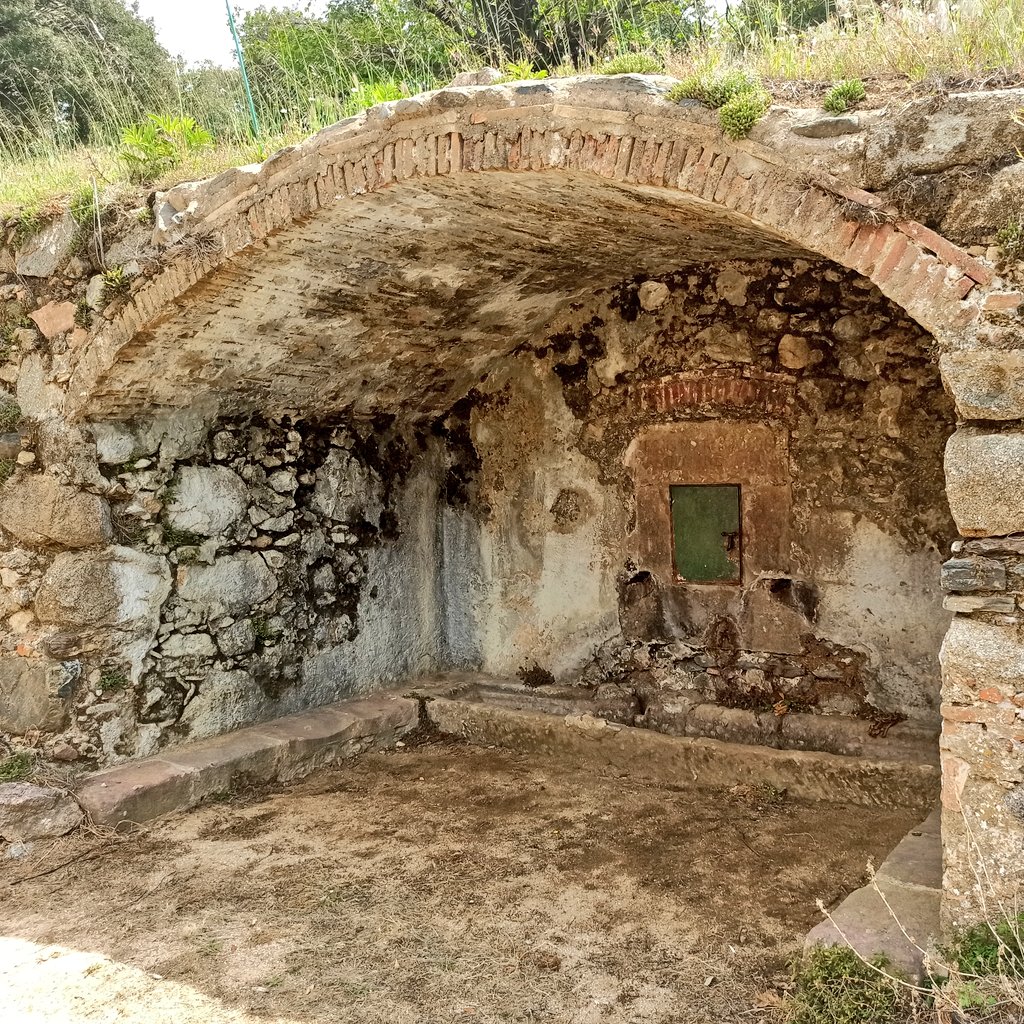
(16, 767)
(631, 64)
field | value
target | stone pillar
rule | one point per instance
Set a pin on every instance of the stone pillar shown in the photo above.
(982, 744)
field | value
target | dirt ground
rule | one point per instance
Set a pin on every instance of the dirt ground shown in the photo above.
(432, 884)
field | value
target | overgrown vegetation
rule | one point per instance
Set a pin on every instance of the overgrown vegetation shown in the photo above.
(738, 95)
(158, 143)
(833, 985)
(87, 94)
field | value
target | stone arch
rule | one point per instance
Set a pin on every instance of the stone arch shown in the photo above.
(621, 136)
(621, 131)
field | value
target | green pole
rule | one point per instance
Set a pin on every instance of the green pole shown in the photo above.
(241, 64)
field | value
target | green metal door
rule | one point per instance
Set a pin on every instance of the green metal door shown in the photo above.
(706, 532)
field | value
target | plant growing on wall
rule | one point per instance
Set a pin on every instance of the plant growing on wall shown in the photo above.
(843, 95)
(739, 97)
(158, 143)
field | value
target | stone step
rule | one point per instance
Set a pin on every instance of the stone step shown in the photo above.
(282, 749)
(910, 882)
(642, 753)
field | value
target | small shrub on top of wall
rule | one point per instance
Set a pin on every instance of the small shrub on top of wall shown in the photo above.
(740, 98)
(843, 95)
(631, 64)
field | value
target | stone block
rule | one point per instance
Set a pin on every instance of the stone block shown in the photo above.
(977, 654)
(220, 760)
(232, 585)
(288, 747)
(985, 482)
(36, 812)
(116, 586)
(967, 574)
(207, 500)
(968, 603)
(43, 253)
(866, 924)
(36, 509)
(54, 318)
(140, 791)
(985, 384)
(24, 694)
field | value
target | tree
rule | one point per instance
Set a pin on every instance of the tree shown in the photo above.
(70, 69)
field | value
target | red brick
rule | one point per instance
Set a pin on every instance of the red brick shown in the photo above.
(699, 171)
(894, 255)
(626, 145)
(636, 159)
(964, 287)
(713, 178)
(657, 176)
(515, 154)
(652, 151)
(609, 153)
(946, 251)
(572, 157)
(1003, 302)
(859, 196)
(992, 694)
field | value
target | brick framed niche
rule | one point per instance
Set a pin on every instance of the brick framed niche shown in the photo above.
(753, 456)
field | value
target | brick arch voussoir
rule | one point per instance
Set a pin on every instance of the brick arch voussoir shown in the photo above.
(937, 283)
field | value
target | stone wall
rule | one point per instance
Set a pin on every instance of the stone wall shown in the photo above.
(175, 578)
(798, 381)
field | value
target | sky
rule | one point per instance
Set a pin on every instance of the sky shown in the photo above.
(198, 29)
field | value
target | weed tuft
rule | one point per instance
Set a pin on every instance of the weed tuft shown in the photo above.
(175, 538)
(113, 680)
(988, 949)
(843, 95)
(1011, 238)
(83, 314)
(631, 64)
(10, 417)
(521, 71)
(738, 96)
(16, 767)
(115, 283)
